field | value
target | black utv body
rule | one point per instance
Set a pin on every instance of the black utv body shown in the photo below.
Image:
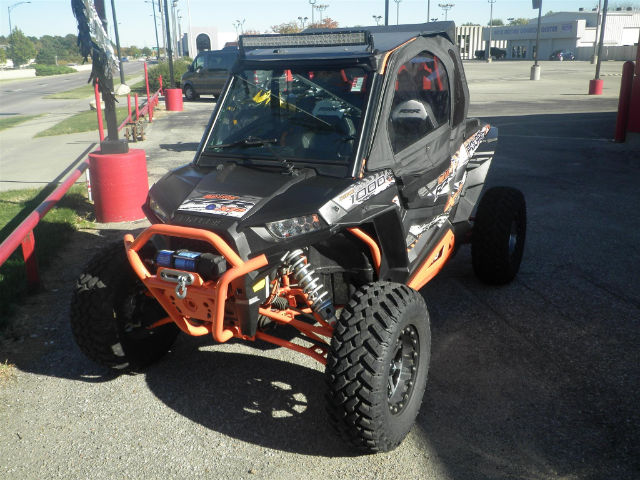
(338, 173)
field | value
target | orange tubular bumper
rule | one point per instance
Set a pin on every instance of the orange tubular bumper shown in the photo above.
(205, 300)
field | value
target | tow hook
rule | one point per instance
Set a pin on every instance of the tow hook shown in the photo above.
(181, 278)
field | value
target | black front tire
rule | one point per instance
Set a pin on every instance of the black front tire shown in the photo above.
(110, 313)
(377, 366)
(499, 231)
(189, 93)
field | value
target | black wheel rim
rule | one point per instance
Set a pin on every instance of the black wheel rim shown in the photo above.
(403, 369)
(137, 312)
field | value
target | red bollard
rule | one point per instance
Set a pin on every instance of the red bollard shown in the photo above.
(595, 87)
(160, 81)
(99, 110)
(120, 185)
(624, 101)
(137, 111)
(129, 105)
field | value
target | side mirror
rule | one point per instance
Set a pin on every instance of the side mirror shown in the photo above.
(190, 68)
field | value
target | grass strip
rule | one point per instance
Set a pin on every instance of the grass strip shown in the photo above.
(14, 120)
(81, 122)
(73, 211)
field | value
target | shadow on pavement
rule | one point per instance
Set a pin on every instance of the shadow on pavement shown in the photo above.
(180, 147)
(264, 401)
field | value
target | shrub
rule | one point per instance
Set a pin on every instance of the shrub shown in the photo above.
(180, 66)
(45, 70)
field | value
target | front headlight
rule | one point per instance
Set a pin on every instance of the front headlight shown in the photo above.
(292, 227)
(155, 208)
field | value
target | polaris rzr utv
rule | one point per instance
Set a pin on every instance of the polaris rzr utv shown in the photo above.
(336, 177)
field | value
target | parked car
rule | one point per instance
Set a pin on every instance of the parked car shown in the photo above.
(496, 53)
(208, 73)
(562, 55)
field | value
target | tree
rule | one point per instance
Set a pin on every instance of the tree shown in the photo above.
(289, 27)
(327, 22)
(146, 51)
(46, 56)
(3, 55)
(252, 31)
(470, 24)
(496, 22)
(21, 49)
(134, 51)
(519, 21)
(550, 12)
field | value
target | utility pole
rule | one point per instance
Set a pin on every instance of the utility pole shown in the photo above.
(604, 22)
(397, 11)
(490, 30)
(428, 10)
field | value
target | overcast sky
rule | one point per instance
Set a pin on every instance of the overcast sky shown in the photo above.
(135, 17)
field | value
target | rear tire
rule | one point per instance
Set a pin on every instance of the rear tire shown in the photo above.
(377, 366)
(110, 313)
(498, 236)
(189, 93)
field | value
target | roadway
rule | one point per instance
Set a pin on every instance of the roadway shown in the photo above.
(25, 96)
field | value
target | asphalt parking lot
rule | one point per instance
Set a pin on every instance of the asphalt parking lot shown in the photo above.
(537, 379)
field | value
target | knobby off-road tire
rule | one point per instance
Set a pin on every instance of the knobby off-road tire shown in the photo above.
(498, 236)
(377, 366)
(110, 312)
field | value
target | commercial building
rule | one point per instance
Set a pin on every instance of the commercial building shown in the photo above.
(573, 31)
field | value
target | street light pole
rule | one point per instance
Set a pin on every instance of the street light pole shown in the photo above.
(386, 12)
(594, 57)
(155, 24)
(377, 18)
(397, 11)
(446, 7)
(535, 68)
(490, 29)
(303, 20)
(428, 10)
(169, 47)
(9, 8)
(313, 6)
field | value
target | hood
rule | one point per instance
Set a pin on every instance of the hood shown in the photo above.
(242, 196)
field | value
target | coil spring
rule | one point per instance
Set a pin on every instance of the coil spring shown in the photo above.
(310, 283)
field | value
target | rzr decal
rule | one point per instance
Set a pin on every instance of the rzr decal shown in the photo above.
(444, 184)
(220, 204)
(364, 189)
(416, 231)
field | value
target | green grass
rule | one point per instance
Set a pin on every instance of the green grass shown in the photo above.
(81, 122)
(83, 91)
(52, 233)
(14, 120)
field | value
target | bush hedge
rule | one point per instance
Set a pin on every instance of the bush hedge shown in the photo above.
(180, 66)
(45, 70)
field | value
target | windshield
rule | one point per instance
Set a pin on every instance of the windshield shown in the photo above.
(292, 114)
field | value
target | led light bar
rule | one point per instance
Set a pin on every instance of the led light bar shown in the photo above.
(297, 40)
